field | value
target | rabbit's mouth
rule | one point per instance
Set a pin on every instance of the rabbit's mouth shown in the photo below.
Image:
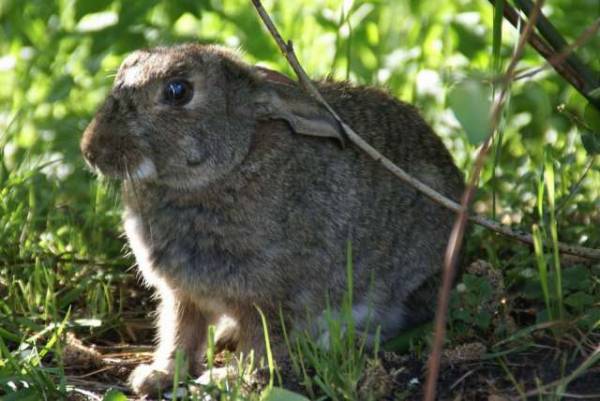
(142, 169)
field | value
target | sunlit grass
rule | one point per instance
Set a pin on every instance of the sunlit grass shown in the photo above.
(333, 362)
(62, 261)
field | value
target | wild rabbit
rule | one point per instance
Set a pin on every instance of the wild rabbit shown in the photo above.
(227, 207)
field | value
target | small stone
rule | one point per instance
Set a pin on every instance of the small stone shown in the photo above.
(465, 352)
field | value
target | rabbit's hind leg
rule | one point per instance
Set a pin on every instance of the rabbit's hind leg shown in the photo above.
(421, 303)
(251, 331)
(370, 323)
(181, 326)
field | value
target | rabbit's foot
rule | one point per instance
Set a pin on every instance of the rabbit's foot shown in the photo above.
(217, 375)
(150, 379)
(256, 379)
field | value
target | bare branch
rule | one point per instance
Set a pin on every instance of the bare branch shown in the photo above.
(566, 70)
(559, 44)
(559, 58)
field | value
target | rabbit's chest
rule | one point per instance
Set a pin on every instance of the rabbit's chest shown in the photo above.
(196, 250)
(140, 247)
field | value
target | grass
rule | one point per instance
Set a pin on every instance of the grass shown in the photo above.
(336, 366)
(531, 315)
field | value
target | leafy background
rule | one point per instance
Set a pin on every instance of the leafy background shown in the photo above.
(61, 255)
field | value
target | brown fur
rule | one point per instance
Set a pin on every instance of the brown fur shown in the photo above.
(228, 206)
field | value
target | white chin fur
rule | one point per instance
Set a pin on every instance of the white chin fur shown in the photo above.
(146, 169)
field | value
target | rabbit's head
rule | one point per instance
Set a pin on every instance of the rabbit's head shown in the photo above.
(187, 115)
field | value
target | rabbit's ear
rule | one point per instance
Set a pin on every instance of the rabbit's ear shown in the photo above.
(280, 99)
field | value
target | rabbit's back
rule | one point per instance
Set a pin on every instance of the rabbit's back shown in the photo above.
(398, 131)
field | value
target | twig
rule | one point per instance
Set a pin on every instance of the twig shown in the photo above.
(87, 394)
(458, 231)
(74, 380)
(93, 372)
(576, 396)
(462, 378)
(545, 50)
(563, 382)
(554, 38)
(559, 58)
(288, 51)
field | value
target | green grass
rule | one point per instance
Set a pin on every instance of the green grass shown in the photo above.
(334, 368)
(63, 262)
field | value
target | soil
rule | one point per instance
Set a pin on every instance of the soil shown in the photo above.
(390, 377)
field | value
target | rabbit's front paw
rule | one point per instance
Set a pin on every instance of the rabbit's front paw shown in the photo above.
(149, 379)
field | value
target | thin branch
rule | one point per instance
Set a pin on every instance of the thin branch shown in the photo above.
(458, 231)
(288, 52)
(559, 58)
(566, 70)
(555, 39)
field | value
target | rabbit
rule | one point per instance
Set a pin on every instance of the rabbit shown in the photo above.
(239, 193)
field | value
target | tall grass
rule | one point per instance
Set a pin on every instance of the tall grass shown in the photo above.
(550, 279)
(334, 361)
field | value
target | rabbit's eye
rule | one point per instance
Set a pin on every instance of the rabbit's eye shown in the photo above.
(177, 92)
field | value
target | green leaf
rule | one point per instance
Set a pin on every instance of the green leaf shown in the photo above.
(478, 287)
(579, 300)
(462, 314)
(591, 319)
(470, 102)
(402, 342)
(327, 22)
(483, 320)
(591, 115)
(576, 278)
(535, 97)
(114, 395)
(470, 40)
(281, 394)
(83, 7)
(591, 143)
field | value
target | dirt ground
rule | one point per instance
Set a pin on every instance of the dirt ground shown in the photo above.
(465, 375)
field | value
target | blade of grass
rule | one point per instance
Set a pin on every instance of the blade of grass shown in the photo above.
(549, 181)
(542, 267)
(269, 352)
(496, 69)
